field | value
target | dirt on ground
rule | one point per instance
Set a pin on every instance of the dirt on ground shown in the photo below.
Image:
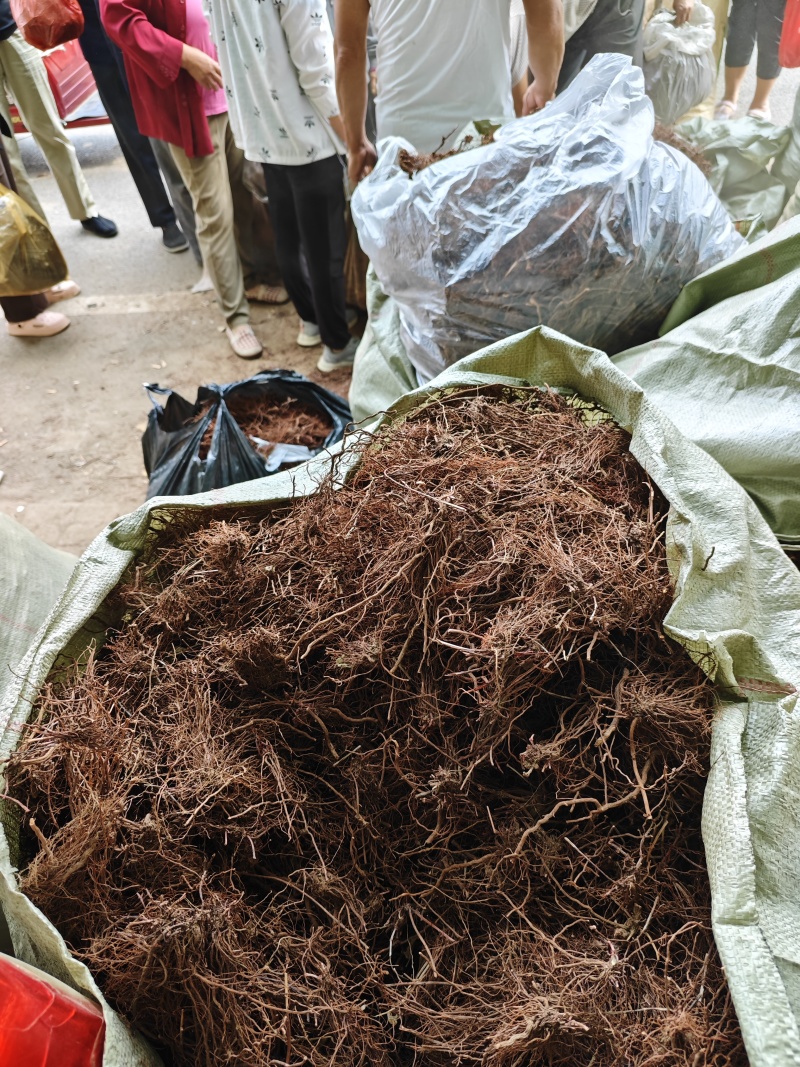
(73, 408)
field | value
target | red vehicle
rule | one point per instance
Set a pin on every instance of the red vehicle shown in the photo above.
(72, 84)
(44, 1023)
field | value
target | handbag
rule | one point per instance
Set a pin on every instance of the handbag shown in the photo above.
(48, 23)
(30, 259)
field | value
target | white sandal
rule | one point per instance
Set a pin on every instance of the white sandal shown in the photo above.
(45, 324)
(724, 110)
(244, 342)
(267, 294)
(763, 113)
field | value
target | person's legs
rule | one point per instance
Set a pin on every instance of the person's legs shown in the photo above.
(244, 220)
(16, 166)
(739, 47)
(206, 178)
(26, 309)
(135, 147)
(320, 207)
(613, 26)
(179, 194)
(26, 77)
(286, 227)
(769, 23)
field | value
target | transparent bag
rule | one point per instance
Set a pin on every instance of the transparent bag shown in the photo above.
(679, 65)
(573, 218)
(30, 259)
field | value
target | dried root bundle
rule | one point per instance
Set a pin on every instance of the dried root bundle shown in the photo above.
(270, 420)
(406, 773)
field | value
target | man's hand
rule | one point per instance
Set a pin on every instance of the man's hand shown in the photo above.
(683, 11)
(361, 162)
(205, 70)
(535, 98)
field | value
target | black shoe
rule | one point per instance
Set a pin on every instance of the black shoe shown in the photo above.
(100, 227)
(174, 240)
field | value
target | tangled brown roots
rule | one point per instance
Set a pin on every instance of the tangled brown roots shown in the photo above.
(404, 774)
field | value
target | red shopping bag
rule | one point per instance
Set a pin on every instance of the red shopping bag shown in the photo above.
(47, 23)
(789, 51)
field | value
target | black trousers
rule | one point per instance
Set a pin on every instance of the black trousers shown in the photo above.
(613, 26)
(17, 308)
(750, 21)
(307, 208)
(106, 63)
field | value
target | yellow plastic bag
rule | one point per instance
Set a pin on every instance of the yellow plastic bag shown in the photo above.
(30, 259)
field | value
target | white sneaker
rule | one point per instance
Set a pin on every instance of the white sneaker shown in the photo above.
(309, 335)
(331, 360)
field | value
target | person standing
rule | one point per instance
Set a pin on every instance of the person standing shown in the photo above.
(27, 316)
(176, 88)
(23, 75)
(277, 63)
(752, 21)
(441, 64)
(107, 68)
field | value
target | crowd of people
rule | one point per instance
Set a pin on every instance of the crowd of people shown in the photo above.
(193, 92)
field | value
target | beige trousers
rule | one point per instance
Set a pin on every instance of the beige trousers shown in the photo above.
(23, 74)
(209, 185)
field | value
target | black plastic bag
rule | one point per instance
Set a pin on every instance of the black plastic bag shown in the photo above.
(171, 442)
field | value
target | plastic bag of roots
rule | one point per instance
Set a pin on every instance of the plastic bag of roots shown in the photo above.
(679, 65)
(574, 218)
(239, 431)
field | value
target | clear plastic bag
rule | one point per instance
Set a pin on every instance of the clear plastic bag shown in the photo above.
(573, 218)
(679, 66)
(30, 259)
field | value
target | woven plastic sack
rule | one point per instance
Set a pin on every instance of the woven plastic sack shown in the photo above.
(48, 23)
(737, 602)
(740, 152)
(574, 218)
(30, 259)
(727, 372)
(679, 66)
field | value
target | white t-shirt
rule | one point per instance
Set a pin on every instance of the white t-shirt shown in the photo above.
(441, 64)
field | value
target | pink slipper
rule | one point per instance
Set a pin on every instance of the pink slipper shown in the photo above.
(724, 110)
(63, 291)
(46, 324)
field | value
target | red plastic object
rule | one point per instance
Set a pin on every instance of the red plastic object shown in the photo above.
(70, 78)
(44, 1023)
(48, 23)
(789, 51)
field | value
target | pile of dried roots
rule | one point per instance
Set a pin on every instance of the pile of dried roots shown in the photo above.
(406, 773)
(270, 420)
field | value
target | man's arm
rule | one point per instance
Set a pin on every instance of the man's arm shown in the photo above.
(545, 20)
(352, 17)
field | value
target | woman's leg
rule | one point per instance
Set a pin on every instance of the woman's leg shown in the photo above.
(769, 23)
(740, 45)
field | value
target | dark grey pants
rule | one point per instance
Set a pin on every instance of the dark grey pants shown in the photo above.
(752, 21)
(613, 26)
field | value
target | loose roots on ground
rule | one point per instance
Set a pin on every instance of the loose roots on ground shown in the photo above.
(406, 773)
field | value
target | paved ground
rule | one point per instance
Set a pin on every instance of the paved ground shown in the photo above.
(73, 406)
